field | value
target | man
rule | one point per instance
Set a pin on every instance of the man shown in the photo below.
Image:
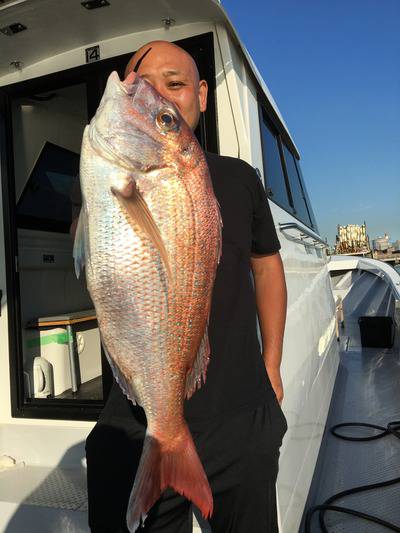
(235, 418)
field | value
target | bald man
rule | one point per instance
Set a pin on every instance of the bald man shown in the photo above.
(235, 418)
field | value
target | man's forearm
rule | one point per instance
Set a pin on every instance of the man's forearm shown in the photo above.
(271, 308)
(270, 288)
(271, 298)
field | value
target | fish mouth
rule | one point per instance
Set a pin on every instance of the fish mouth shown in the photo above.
(129, 79)
(130, 83)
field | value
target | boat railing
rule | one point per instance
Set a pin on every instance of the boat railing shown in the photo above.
(305, 235)
(376, 267)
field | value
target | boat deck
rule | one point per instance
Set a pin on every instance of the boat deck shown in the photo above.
(367, 389)
(43, 499)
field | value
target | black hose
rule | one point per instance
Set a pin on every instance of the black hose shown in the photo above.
(393, 428)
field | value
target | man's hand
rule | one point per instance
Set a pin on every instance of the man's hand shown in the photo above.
(274, 375)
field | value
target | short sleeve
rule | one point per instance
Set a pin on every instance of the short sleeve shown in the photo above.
(76, 198)
(264, 237)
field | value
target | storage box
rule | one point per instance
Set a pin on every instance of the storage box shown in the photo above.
(376, 331)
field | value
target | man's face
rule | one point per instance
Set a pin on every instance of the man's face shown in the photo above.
(174, 74)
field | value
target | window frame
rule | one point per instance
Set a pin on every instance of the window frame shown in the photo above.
(94, 75)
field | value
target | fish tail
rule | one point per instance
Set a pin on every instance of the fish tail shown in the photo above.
(175, 465)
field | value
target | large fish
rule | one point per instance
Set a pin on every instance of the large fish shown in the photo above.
(149, 234)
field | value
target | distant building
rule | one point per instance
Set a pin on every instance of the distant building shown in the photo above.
(381, 244)
(396, 246)
(352, 240)
(384, 250)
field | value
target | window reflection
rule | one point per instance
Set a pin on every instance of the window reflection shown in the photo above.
(296, 189)
(274, 177)
(309, 206)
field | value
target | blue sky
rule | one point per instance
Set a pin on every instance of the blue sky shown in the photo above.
(333, 68)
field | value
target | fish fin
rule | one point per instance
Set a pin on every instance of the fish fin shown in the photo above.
(79, 244)
(221, 225)
(135, 205)
(176, 465)
(196, 376)
(125, 385)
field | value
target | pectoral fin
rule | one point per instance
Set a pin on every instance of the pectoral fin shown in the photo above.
(135, 206)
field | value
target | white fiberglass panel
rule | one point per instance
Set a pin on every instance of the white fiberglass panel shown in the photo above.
(309, 365)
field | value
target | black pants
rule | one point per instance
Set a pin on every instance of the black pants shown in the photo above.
(240, 457)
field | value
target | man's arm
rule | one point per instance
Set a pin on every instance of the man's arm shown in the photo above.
(271, 298)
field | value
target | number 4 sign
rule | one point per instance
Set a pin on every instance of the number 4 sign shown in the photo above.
(92, 54)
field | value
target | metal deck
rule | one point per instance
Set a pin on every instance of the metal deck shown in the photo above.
(367, 389)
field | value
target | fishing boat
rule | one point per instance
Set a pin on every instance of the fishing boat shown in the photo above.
(55, 57)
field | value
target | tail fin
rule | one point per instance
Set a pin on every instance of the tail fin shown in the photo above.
(175, 465)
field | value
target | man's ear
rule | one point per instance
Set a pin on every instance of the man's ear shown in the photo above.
(203, 91)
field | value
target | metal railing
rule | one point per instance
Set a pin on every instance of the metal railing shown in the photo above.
(304, 235)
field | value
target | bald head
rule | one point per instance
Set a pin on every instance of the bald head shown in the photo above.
(165, 51)
(173, 72)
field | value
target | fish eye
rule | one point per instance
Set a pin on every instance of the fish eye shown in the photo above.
(166, 120)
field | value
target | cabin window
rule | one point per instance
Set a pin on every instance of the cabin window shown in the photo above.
(57, 364)
(300, 209)
(284, 182)
(275, 183)
(310, 210)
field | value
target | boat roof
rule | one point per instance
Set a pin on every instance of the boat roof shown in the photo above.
(58, 26)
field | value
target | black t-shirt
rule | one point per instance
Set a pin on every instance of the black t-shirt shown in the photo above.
(236, 375)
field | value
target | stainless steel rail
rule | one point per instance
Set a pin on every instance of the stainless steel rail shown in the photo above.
(305, 234)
